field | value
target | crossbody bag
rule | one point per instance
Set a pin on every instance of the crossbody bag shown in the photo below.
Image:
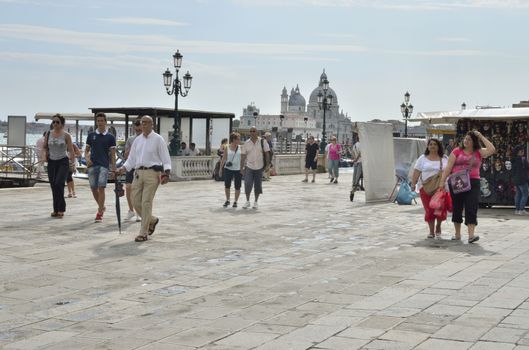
(433, 182)
(460, 181)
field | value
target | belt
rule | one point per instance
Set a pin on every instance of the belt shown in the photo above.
(154, 167)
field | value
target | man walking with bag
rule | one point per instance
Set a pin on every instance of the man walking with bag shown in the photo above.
(255, 156)
(151, 162)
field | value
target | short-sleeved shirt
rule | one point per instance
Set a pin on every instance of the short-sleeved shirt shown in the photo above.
(100, 146)
(254, 153)
(463, 161)
(429, 168)
(312, 150)
(334, 151)
(129, 142)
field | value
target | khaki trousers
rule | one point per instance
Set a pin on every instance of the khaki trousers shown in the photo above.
(144, 186)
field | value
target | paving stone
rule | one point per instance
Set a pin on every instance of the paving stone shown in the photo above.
(462, 333)
(483, 345)
(443, 344)
(341, 343)
(246, 339)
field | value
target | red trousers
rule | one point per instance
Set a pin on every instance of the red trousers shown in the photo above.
(428, 212)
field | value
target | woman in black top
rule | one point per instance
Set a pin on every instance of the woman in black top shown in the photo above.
(520, 178)
(311, 159)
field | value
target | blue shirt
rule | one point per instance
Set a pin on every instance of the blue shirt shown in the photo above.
(100, 145)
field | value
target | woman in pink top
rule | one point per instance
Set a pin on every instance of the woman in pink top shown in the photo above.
(333, 159)
(468, 155)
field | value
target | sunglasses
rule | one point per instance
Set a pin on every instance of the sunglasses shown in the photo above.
(56, 122)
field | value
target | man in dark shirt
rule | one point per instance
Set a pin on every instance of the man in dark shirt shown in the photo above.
(100, 154)
(311, 159)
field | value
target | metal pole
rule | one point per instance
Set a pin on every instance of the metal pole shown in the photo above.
(323, 143)
(406, 123)
(175, 140)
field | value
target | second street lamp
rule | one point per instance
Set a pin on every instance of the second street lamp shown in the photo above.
(406, 109)
(324, 102)
(174, 87)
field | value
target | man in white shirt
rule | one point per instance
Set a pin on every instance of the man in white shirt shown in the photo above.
(255, 156)
(151, 162)
(193, 150)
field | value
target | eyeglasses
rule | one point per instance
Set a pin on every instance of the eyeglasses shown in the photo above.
(56, 122)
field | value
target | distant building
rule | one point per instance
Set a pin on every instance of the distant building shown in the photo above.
(522, 104)
(302, 118)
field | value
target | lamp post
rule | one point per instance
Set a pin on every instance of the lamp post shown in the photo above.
(255, 114)
(463, 106)
(306, 119)
(324, 102)
(174, 87)
(281, 117)
(406, 108)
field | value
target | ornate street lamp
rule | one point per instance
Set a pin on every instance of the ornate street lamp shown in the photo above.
(306, 119)
(406, 108)
(174, 87)
(255, 114)
(324, 102)
(463, 106)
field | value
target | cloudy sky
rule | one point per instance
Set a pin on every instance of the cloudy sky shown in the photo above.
(69, 55)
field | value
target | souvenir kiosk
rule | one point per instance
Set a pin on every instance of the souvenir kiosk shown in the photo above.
(506, 128)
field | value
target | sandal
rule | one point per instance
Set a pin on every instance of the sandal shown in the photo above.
(60, 215)
(74, 195)
(430, 235)
(455, 238)
(140, 238)
(473, 239)
(152, 226)
(438, 235)
(54, 214)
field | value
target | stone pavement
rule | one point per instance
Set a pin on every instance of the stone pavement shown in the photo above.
(308, 270)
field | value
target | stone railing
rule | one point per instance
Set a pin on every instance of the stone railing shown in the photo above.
(201, 167)
(288, 164)
(193, 168)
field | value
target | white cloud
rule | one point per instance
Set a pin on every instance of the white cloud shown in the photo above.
(395, 4)
(454, 40)
(143, 21)
(125, 44)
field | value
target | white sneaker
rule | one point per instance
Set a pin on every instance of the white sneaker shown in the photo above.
(246, 205)
(523, 212)
(516, 212)
(130, 214)
(255, 206)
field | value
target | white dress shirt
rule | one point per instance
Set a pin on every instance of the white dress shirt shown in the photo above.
(147, 151)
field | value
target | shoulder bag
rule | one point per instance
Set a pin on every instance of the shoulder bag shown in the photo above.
(431, 184)
(460, 181)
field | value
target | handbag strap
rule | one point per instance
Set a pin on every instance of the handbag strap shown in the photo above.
(234, 153)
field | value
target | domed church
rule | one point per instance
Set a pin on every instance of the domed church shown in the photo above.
(336, 122)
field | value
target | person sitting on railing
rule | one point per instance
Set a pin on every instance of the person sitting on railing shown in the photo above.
(193, 151)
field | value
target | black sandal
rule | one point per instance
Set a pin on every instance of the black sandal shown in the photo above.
(473, 239)
(153, 226)
(140, 238)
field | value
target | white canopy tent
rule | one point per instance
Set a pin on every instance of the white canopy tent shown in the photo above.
(478, 114)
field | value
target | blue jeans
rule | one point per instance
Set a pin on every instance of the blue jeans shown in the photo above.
(333, 167)
(98, 176)
(520, 198)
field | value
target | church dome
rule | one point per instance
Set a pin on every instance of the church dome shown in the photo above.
(296, 99)
(313, 99)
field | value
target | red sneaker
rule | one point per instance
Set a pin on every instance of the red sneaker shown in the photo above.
(99, 217)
